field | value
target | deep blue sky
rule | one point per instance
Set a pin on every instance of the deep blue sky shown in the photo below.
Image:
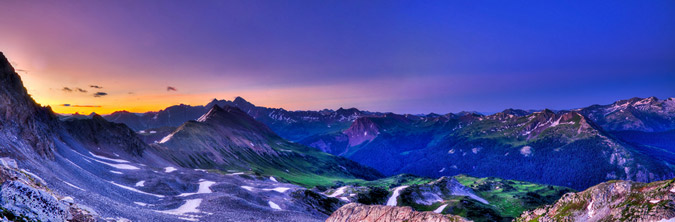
(401, 56)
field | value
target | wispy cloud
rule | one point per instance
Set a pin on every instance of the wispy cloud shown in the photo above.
(89, 106)
(81, 90)
(99, 94)
(96, 86)
(171, 88)
(66, 89)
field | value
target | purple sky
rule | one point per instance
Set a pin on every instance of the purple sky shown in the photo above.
(401, 56)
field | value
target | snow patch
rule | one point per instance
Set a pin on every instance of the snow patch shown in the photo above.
(392, 200)
(654, 201)
(108, 159)
(441, 171)
(555, 123)
(591, 212)
(338, 192)
(526, 151)
(140, 183)
(166, 138)
(204, 187)
(273, 179)
(116, 172)
(68, 199)
(440, 209)
(169, 169)
(135, 190)
(475, 150)
(118, 166)
(141, 204)
(247, 188)
(278, 189)
(189, 207)
(273, 205)
(70, 184)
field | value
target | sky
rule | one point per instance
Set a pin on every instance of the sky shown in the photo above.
(392, 56)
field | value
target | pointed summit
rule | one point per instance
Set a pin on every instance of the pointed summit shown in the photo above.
(12, 91)
(215, 110)
(239, 101)
(32, 124)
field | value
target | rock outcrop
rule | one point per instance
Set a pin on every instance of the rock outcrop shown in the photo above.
(437, 191)
(354, 212)
(24, 125)
(23, 197)
(612, 201)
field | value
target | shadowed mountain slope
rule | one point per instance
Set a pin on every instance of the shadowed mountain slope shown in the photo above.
(229, 139)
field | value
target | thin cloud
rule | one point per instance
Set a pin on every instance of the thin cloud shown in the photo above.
(99, 94)
(81, 90)
(96, 87)
(89, 106)
(171, 88)
(66, 89)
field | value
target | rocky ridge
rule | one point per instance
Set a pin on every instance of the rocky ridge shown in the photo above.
(24, 125)
(612, 201)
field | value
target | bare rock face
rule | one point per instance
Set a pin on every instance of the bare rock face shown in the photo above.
(23, 197)
(612, 201)
(354, 212)
(24, 125)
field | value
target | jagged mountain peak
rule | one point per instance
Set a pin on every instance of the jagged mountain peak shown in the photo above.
(217, 112)
(643, 114)
(12, 93)
(22, 120)
(516, 112)
(239, 101)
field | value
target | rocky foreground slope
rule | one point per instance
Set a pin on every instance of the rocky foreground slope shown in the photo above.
(26, 198)
(612, 201)
(354, 212)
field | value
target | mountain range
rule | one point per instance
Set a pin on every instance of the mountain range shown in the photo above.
(512, 144)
